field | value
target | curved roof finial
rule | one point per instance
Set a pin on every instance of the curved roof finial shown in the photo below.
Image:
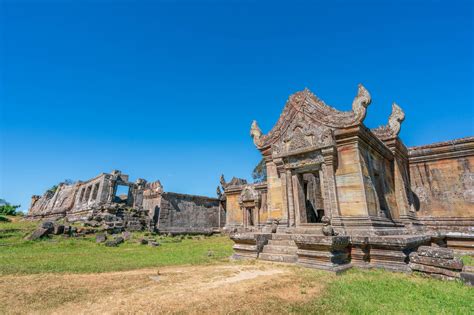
(360, 103)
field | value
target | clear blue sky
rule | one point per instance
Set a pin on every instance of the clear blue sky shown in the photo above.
(167, 90)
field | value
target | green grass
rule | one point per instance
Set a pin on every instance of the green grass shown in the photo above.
(354, 292)
(83, 255)
(468, 260)
(384, 292)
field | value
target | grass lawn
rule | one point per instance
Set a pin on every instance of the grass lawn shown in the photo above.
(83, 255)
(383, 292)
(51, 267)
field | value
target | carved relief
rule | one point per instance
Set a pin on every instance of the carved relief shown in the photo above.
(312, 159)
(250, 196)
(307, 121)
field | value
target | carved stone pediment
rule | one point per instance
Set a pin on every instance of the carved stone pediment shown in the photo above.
(307, 121)
(301, 137)
(250, 197)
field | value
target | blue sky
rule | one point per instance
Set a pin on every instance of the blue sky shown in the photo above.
(168, 90)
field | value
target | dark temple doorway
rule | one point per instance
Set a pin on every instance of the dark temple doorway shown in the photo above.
(313, 205)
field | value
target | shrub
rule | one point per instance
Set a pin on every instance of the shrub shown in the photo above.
(8, 209)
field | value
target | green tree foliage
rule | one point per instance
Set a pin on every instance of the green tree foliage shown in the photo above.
(259, 173)
(8, 209)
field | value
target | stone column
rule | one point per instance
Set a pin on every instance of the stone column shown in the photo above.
(328, 171)
(291, 203)
(402, 182)
(284, 191)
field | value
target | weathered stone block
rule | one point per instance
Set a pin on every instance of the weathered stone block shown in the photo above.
(249, 245)
(436, 252)
(38, 233)
(100, 238)
(58, 229)
(468, 278)
(115, 242)
(434, 270)
(48, 225)
(453, 264)
(323, 252)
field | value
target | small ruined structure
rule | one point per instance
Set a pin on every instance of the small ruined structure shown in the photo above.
(143, 205)
(339, 194)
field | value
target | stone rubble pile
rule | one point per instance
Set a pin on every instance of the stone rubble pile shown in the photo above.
(436, 262)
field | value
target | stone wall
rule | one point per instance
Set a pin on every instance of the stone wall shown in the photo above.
(181, 213)
(442, 181)
(169, 212)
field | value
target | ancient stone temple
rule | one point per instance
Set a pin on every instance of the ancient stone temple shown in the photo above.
(135, 205)
(340, 194)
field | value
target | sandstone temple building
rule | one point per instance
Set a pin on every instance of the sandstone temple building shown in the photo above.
(144, 205)
(338, 193)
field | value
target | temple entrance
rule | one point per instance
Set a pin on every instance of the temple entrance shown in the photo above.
(250, 218)
(311, 205)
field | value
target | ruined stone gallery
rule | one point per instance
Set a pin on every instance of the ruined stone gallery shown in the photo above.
(337, 194)
(142, 205)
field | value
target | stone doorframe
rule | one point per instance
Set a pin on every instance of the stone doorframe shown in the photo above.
(290, 168)
(250, 199)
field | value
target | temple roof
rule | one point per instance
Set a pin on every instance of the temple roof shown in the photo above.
(306, 107)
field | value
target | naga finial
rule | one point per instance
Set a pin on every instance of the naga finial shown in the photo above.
(360, 103)
(395, 119)
(222, 182)
(256, 133)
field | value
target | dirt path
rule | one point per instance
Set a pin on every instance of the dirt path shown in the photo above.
(227, 288)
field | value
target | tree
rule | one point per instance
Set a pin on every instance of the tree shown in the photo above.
(259, 173)
(8, 209)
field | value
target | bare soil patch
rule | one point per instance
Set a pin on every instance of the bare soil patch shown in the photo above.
(227, 288)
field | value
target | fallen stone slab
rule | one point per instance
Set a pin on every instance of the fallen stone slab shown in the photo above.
(37, 234)
(115, 242)
(453, 264)
(58, 229)
(467, 278)
(436, 252)
(433, 270)
(47, 225)
(100, 238)
(153, 244)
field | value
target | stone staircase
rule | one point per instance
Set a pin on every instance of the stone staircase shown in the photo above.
(281, 248)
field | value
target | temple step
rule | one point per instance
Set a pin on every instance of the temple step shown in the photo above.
(282, 243)
(274, 249)
(281, 237)
(278, 257)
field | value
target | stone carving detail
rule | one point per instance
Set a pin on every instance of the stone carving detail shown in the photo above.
(304, 160)
(256, 134)
(233, 182)
(250, 195)
(327, 228)
(308, 121)
(392, 129)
